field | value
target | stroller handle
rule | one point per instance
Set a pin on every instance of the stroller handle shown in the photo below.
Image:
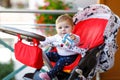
(15, 32)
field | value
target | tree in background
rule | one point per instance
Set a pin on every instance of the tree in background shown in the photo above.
(50, 18)
(5, 3)
(5, 69)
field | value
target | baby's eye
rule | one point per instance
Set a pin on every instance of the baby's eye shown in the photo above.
(59, 27)
(66, 26)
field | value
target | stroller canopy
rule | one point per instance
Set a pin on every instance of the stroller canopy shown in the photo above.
(90, 24)
(97, 24)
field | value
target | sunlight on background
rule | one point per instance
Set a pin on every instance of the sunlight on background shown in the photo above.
(5, 55)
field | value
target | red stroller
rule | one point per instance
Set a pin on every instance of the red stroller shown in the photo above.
(97, 27)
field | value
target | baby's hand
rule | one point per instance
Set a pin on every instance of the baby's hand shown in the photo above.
(68, 40)
(72, 36)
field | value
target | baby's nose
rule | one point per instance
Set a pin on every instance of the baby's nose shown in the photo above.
(63, 28)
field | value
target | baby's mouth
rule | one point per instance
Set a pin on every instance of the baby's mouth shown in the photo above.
(63, 32)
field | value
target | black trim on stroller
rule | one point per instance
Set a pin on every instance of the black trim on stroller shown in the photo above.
(87, 63)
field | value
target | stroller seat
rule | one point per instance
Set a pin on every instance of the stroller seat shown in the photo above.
(70, 67)
(91, 36)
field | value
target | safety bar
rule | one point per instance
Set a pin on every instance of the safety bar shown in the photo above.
(38, 11)
(31, 24)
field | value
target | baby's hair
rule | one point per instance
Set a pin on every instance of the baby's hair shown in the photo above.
(64, 17)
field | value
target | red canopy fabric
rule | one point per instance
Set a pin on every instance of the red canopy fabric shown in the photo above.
(91, 32)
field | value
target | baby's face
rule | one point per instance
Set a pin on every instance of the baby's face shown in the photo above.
(63, 28)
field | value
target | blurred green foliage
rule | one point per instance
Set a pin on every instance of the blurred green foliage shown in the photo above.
(5, 69)
(51, 5)
(50, 18)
